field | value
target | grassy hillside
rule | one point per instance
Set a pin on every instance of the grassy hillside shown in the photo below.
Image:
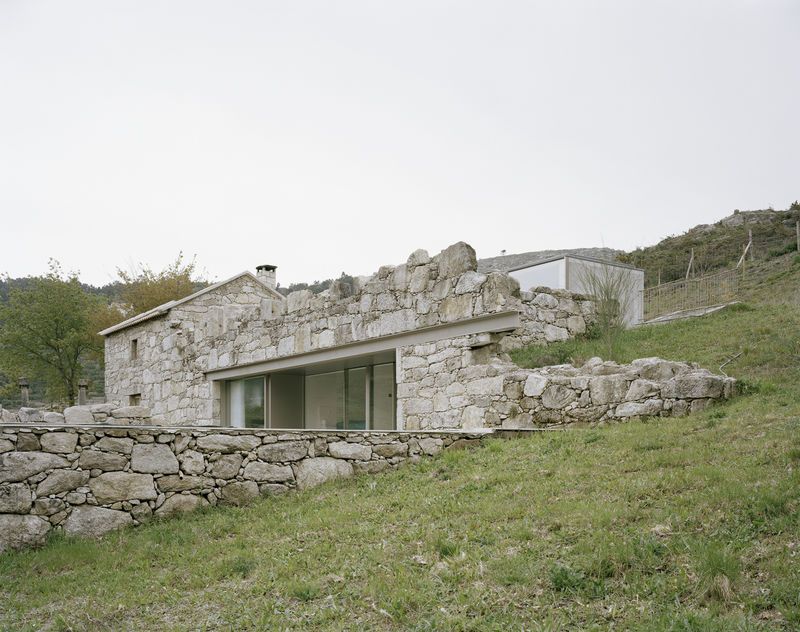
(673, 524)
(765, 328)
(719, 245)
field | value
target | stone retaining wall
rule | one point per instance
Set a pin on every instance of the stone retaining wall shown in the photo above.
(89, 480)
(602, 391)
(469, 383)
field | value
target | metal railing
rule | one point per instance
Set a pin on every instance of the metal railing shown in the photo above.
(686, 294)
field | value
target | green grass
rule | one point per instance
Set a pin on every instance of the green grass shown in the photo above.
(669, 524)
(766, 336)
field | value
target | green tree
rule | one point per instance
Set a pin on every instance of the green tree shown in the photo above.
(143, 289)
(47, 331)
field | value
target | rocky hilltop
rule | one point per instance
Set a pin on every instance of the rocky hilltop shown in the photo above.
(719, 245)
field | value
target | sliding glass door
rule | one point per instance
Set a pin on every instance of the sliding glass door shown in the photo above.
(285, 400)
(324, 401)
(382, 398)
(357, 394)
(337, 400)
(356, 398)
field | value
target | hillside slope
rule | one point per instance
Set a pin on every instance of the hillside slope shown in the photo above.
(673, 524)
(718, 245)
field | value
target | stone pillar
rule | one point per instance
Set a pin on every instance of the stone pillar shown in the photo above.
(24, 391)
(83, 392)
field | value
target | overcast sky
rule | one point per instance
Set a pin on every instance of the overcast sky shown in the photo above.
(339, 136)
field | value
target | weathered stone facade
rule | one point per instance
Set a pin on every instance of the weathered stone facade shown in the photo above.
(90, 480)
(239, 324)
(167, 372)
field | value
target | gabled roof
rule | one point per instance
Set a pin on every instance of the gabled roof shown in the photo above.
(166, 307)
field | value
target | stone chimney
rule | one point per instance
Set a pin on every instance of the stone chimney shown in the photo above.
(266, 274)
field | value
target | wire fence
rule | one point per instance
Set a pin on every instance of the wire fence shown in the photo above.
(677, 296)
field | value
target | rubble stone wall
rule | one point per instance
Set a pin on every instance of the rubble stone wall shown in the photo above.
(87, 414)
(602, 391)
(89, 480)
(469, 383)
(221, 332)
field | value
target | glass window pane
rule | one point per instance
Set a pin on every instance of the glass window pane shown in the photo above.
(357, 399)
(286, 401)
(324, 395)
(236, 404)
(382, 400)
(254, 402)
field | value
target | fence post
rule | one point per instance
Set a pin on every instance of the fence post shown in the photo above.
(83, 387)
(797, 228)
(24, 391)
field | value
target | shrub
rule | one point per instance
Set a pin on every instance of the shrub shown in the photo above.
(613, 291)
(746, 386)
(784, 250)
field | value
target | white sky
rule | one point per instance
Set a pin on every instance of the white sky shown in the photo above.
(339, 136)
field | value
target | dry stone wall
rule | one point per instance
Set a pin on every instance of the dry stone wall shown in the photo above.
(606, 391)
(94, 413)
(87, 481)
(469, 383)
(237, 324)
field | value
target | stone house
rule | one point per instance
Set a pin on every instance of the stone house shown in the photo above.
(419, 346)
(238, 353)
